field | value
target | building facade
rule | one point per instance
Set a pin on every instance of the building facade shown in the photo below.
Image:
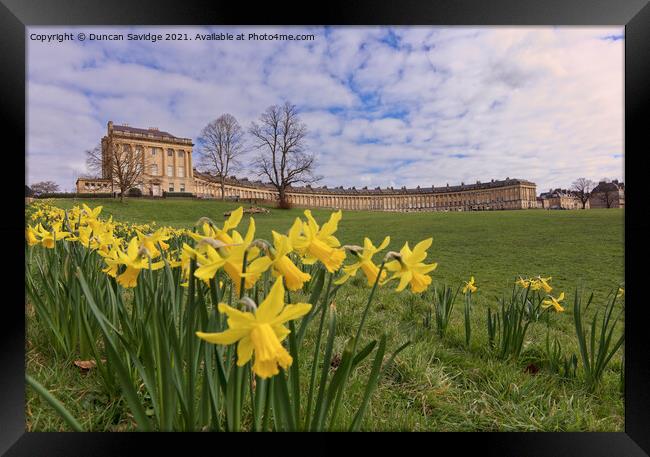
(168, 161)
(561, 199)
(608, 195)
(494, 195)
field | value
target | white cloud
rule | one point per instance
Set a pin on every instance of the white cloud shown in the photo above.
(384, 106)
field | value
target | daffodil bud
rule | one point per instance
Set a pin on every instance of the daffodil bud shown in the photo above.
(353, 249)
(204, 220)
(217, 244)
(248, 303)
(392, 255)
(260, 244)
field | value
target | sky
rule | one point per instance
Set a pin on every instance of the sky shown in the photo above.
(384, 106)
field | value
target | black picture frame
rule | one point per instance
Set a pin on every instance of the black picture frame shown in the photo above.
(15, 15)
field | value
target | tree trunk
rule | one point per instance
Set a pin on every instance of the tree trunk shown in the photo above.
(282, 197)
(223, 189)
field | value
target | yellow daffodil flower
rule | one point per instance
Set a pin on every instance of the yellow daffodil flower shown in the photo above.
(222, 235)
(135, 260)
(260, 333)
(92, 213)
(151, 242)
(232, 260)
(281, 264)
(524, 283)
(469, 286)
(48, 238)
(544, 284)
(31, 235)
(410, 269)
(315, 243)
(554, 302)
(365, 263)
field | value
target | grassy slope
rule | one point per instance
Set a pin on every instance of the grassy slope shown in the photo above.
(436, 385)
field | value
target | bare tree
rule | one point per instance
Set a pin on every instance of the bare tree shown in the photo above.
(44, 187)
(608, 195)
(124, 166)
(95, 161)
(280, 138)
(221, 146)
(582, 188)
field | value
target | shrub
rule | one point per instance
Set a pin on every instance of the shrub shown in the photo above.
(76, 195)
(134, 192)
(178, 194)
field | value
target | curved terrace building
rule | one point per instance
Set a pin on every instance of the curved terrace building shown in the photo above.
(493, 195)
(168, 165)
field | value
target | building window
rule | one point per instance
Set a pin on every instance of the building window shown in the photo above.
(170, 152)
(182, 189)
(154, 169)
(181, 154)
(153, 151)
(170, 170)
(171, 188)
(180, 172)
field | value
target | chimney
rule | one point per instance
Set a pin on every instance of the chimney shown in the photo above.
(110, 126)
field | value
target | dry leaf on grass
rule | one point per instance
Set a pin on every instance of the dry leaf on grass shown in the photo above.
(85, 365)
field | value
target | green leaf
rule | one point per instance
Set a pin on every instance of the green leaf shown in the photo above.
(54, 403)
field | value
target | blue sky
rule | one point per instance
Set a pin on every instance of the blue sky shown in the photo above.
(385, 106)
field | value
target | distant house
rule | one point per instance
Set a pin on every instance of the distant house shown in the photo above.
(608, 195)
(561, 199)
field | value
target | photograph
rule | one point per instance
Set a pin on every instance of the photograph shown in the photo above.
(325, 228)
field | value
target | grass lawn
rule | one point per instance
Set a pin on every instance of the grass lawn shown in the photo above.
(436, 384)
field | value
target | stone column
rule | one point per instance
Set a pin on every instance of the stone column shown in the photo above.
(164, 168)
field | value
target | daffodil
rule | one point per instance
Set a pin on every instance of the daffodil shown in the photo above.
(231, 260)
(364, 262)
(31, 235)
(92, 213)
(540, 283)
(49, 237)
(469, 286)
(524, 283)
(621, 292)
(211, 231)
(409, 268)
(554, 302)
(280, 263)
(315, 243)
(260, 333)
(135, 259)
(151, 242)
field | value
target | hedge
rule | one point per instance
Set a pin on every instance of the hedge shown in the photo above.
(178, 194)
(75, 195)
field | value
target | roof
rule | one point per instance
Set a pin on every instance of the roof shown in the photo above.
(156, 133)
(608, 187)
(245, 182)
(148, 133)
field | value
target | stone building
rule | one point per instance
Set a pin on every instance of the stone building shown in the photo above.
(608, 195)
(561, 199)
(494, 195)
(169, 168)
(167, 160)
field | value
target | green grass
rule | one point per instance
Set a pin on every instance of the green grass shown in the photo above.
(435, 384)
